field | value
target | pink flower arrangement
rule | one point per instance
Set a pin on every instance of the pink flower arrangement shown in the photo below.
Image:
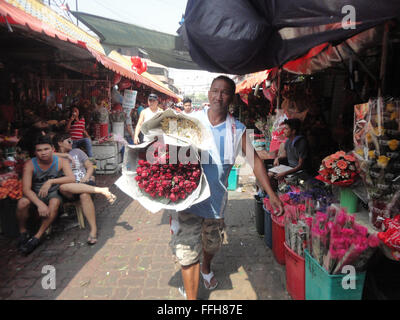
(340, 241)
(338, 169)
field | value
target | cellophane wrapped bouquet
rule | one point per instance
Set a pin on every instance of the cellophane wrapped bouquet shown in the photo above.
(338, 169)
(377, 150)
(300, 208)
(390, 237)
(337, 240)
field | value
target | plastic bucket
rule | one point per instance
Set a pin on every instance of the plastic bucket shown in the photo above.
(320, 285)
(348, 200)
(233, 179)
(295, 274)
(278, 240)
(259, 213)
(267, 228)
(118, 128)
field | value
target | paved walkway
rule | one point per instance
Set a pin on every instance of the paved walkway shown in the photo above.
(132, 259)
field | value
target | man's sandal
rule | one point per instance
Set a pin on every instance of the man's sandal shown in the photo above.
(207, 280)
(91, 240)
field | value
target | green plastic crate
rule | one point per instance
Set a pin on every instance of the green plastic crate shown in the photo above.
(233, 179)
(320, 285)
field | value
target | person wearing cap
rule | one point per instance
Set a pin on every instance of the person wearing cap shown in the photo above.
(147, 114)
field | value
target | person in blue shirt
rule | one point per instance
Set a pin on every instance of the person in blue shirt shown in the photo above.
(199, 229)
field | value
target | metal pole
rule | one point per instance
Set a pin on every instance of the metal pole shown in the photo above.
(383, 60)
(278, 100)
(76, 9)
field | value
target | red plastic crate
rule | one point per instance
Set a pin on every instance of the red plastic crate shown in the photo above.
(278, 240)
(295, 274)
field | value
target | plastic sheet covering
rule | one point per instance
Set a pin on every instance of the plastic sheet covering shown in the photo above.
(377, 147)
(242, 36)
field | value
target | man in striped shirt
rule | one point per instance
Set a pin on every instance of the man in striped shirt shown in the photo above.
(79, 136)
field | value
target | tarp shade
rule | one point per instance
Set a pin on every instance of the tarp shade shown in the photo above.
(162, 48)
(245, 36)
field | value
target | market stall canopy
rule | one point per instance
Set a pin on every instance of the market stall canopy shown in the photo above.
(252, 80)
(163, 48)
(242, 36)
(35, 16)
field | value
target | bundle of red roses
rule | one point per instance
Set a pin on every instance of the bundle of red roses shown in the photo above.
(338, 169)
(165, 180)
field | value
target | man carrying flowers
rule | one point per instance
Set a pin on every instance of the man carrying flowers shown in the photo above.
(199, 229)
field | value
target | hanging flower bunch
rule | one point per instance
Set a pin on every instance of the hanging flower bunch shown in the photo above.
(338, 169)
(164, 180)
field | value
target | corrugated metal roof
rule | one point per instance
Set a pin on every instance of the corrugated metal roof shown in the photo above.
(39, 18)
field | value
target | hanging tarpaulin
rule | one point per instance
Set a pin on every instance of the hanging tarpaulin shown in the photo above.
(242, 36)
(327, 55)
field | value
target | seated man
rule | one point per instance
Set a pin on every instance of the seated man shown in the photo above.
(83, 169)
(40, 183)
(295, 149)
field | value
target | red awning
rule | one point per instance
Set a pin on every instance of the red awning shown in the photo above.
(252, 80)
(14, 16)
(116, 67)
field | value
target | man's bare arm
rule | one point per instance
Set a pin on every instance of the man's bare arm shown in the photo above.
(27, 184)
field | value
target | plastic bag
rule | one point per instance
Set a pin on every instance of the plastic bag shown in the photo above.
(277, 135)
(376, 139)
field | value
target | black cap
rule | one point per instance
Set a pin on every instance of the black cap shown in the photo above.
(153, 96)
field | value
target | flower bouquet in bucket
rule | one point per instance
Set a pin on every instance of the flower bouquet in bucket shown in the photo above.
(337, 240)
(340, 169)
(163, 176)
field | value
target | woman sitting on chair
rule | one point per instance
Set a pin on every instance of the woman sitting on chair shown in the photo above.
(83, 169)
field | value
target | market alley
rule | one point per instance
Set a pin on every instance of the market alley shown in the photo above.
(132, 259)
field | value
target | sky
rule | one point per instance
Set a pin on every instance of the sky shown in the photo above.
(160, 15)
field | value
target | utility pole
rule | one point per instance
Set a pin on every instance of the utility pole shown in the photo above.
(76, 9)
